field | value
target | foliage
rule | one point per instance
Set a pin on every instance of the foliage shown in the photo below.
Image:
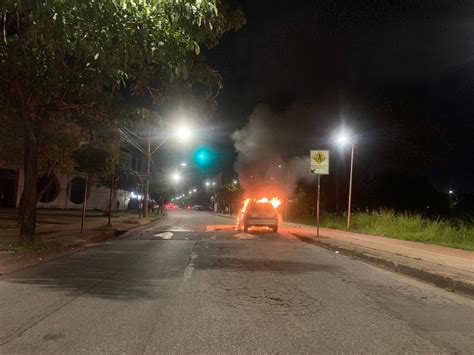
(160, 189)
(35, 246)
(65, 65)
(450, 233)
(122, 178)
(97, 161)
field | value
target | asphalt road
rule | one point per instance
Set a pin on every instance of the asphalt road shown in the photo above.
(190, 284)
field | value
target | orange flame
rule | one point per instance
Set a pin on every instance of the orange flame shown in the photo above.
(275, 201)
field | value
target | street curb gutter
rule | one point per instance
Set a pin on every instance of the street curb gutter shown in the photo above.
(451, 284)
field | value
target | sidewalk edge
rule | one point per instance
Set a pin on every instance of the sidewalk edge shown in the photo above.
(451, 284)
(28, 259)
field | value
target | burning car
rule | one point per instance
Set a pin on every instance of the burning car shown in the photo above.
(258, 213)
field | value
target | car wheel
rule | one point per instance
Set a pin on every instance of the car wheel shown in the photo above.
(246, 229)
(275, 229)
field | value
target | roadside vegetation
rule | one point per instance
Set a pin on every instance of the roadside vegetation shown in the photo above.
(454, 233)
(36, 246)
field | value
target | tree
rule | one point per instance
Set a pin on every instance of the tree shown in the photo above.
(160, 192)
(64, 61)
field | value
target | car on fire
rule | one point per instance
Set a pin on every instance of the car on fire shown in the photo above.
(258, 214)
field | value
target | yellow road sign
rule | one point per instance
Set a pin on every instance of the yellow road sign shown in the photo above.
(320, 162)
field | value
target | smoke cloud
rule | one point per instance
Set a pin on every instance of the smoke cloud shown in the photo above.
(273, 149)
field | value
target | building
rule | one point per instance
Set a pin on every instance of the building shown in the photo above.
(65, 192)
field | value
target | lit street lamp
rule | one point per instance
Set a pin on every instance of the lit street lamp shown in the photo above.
(344, 139)
(183, 133)
(176, 177)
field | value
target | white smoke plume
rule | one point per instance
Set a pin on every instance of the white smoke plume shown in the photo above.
(273, 149)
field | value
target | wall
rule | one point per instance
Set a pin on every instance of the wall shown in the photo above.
(97, 197)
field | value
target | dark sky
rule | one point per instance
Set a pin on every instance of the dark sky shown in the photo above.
(348, 52)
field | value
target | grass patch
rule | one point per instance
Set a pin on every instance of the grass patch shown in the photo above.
(37, 245)
(449, 233)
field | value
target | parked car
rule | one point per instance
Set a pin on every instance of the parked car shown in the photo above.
(258, 214)
(198, 208)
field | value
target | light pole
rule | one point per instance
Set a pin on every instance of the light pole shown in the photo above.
(345, 139)
(183, 133)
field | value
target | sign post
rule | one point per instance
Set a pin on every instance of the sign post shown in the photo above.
(319, 166)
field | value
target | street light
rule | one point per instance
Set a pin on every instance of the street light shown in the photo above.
(194, 190)
(208, 183)
(344, 139)
(184, 164)
(183, 133)
(176, 177)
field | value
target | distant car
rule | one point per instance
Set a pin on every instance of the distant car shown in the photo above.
(170, 206)
(258, 214)
(198, 208)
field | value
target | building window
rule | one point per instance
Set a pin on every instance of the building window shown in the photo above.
(76, 190)
(51, 192)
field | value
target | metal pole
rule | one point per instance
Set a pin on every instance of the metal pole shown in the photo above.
(350, 189)
(109, 212)
(147, 185)
(84, 203)
(287, 192)
(317, 205)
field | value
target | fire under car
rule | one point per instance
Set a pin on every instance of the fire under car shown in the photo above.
(258, 214)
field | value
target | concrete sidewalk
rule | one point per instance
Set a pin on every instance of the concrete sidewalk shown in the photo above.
(449, 268)
(64, 238)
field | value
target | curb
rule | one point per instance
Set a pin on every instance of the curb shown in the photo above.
(450, 284)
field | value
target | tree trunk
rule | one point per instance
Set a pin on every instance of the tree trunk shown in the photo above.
(30, 193)
(109, 209)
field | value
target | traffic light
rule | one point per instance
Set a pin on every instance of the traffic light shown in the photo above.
(203, 157)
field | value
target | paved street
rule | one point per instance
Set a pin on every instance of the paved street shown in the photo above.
(190, 284)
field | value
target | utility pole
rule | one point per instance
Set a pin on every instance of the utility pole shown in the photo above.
(350, 189)
(287, 195)
(317, 205)
(147, 185)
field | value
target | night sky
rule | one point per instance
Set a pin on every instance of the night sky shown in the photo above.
(343, 58)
